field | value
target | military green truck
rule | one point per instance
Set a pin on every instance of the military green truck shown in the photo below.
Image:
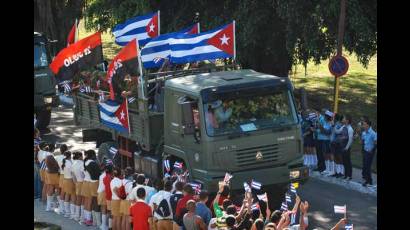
(45, 96)
(237, 121)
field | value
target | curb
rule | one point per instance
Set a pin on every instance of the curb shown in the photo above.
(351, 185)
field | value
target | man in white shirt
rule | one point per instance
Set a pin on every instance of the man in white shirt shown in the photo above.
(347, 163)
(162, 208)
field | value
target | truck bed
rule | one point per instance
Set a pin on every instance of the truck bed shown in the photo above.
(146, 127)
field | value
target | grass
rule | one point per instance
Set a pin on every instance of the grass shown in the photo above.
(357, 96)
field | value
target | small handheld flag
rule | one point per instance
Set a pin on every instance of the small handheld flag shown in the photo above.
(227, 177)
(247, 188)
(196, 187)
(178, 165)
(340, 209)
(263, 197)
(167, 166)
(67, 87)
(349, 226)
(288, 199)
(256, 185)
(131, 100)
(113, 150)
(284, 206)
(255, 206)
(146, 181)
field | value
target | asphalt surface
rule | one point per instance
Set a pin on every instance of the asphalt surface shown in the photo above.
(321, 195)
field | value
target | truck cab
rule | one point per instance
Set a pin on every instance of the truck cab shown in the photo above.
(242, 122)
(45, 96)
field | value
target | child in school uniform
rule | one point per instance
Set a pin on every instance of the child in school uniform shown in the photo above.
(115, 184)
(59, 156)
(126, 203)
(77, 171)
(51, 180)
(101, 200)
(92, 173)
(68, 186)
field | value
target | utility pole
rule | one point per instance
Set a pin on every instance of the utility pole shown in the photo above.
(341, 31)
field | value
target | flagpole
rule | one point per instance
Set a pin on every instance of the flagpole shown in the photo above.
(140, 68)
(159, 23)
(128, 116)
(234, 40)
(76, 31)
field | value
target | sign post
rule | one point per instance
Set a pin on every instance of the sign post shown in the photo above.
(335, 65)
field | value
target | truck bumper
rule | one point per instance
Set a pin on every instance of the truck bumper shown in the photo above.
(266, 176)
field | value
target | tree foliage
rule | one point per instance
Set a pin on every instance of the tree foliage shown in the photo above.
(271, 34)
(55, 18)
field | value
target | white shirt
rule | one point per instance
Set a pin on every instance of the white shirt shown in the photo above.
(157, 198)
(59, 159)
(87, 174)
(101, 187)
(133, 195)
(42, 155)
(128, 188)
(350, 132)
(115, 183)
(67, 169)
(78, 170)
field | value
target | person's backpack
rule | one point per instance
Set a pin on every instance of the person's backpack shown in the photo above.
(121, 191)
(163, 208)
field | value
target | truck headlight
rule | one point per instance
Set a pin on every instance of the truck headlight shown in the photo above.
(294, 174)
(48, 100)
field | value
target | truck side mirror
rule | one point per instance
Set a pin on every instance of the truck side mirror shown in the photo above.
(188, 124)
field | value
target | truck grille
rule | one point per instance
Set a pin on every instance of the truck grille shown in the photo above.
(247, 157)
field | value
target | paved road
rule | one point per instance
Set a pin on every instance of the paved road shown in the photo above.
(362, 208)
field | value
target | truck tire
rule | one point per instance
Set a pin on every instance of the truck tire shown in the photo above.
(104, 150)
(43, 118)
(45, 226)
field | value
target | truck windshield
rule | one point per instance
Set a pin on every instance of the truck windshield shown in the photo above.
(40, 55)
(250, 113)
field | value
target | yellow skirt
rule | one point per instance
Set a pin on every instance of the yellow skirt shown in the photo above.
(85, 189)
(61, 182)
(43, 175)
(52, 178)
(78, 186)
(115, 208)
(125, 207)
(68, 186)
(93, 188)
(101, 199)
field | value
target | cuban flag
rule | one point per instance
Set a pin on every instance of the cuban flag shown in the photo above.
(340, 209)
(284, 206)
(66, 86)
(167, 165)
(256, 185)
(115, 115)
(113, 151)
(263, 197)
(178, 165)
(213, 44)
(144, 28)
(196, 187)
(292, 189)
(155, 52)
(255, 206)
(349, 226)
(288, 199)
(246, 187)
(227, 177)
(131, 100)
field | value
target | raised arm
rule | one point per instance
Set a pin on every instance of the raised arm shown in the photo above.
(340, 223)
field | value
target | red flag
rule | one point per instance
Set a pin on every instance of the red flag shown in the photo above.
(83, 54)
(126, 62)
(225, 39)
(72, 35)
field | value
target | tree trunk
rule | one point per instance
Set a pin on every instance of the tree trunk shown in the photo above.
(55, 18)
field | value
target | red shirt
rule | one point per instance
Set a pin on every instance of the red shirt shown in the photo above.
(182, 204)
(106, 181)
(140, 213)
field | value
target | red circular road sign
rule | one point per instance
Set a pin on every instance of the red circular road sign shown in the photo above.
(338, 66)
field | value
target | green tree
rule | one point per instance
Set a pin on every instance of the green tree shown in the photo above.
(271, 34)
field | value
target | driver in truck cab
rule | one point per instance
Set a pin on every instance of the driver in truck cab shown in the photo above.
(223, 113)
